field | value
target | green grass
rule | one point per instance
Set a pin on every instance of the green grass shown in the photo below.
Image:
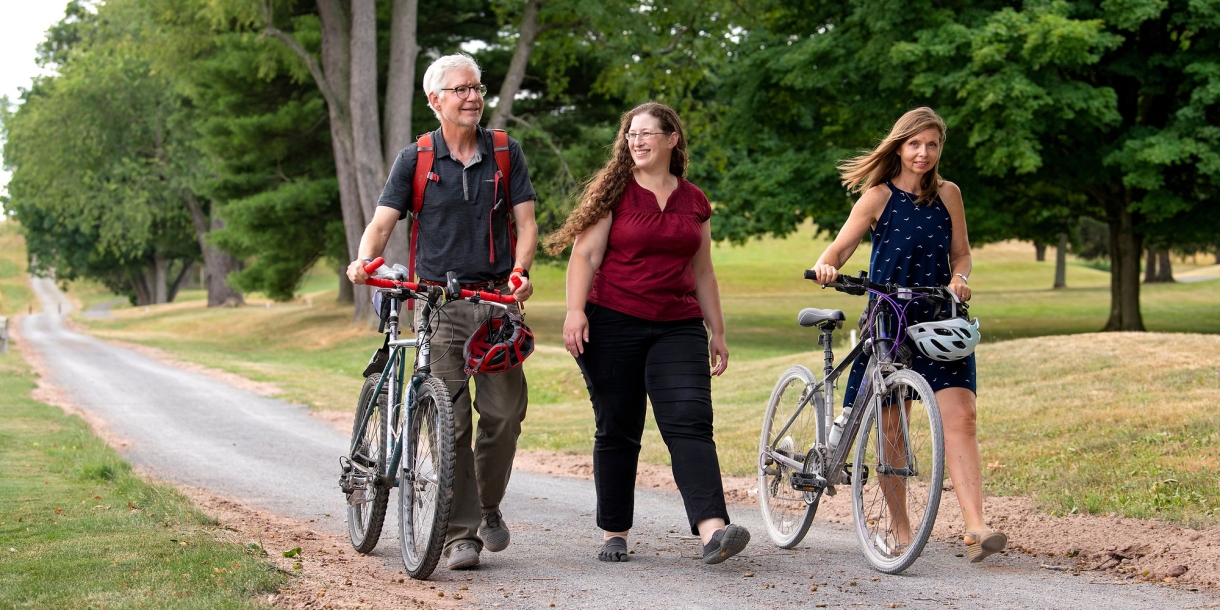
(15, 293)
(78, 529)
(1128, 459)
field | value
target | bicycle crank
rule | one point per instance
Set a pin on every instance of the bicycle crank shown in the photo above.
(810, 479)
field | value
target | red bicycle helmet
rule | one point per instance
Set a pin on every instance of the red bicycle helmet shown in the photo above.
(501, 344)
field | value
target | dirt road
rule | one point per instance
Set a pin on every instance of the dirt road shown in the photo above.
(194, 430)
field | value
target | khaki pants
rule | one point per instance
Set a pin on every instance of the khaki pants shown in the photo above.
(482, 474)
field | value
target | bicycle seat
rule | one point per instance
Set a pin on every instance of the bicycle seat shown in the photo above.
(820, 317)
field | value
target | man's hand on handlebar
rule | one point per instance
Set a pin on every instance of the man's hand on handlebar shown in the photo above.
(522, 287)
(356, 273)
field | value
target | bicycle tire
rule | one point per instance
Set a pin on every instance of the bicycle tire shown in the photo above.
(365, 519)
(425, 491)
(787, 512)
(885, 501)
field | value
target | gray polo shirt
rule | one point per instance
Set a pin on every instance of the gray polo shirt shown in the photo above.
(458, 225)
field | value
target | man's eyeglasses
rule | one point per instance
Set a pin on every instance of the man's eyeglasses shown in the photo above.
(642, 135)
(464, 90)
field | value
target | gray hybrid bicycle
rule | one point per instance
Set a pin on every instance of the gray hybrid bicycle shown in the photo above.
(403, 434)
(888, 444)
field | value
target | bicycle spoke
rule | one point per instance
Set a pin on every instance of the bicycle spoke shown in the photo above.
(790, 430)
(901, 445)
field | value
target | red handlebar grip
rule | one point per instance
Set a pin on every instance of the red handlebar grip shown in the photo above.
(489, 296)
(371, 267)
(380, 283)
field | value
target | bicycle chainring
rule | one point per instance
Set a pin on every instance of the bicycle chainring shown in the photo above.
(815, 463)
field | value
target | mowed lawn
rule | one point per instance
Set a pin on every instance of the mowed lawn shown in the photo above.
(80, 529)
(1087, 422)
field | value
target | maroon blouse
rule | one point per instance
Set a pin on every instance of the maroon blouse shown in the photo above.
(646, 271)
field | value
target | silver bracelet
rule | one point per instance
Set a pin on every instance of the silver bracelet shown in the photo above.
(964, 278)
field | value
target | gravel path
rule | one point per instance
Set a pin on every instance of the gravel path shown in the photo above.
(194, 430)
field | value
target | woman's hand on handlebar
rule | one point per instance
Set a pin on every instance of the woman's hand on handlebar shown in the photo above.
(575, 332)
(826, 273)
(958, 287)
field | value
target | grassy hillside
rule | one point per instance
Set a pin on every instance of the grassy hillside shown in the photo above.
(1039, 395)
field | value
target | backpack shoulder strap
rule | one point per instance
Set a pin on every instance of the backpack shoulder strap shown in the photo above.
(423, 171)
(499, 139)
(424, 157)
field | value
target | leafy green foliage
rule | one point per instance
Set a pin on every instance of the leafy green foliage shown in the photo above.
(93, 152)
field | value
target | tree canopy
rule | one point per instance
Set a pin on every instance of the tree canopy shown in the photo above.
(278, 117)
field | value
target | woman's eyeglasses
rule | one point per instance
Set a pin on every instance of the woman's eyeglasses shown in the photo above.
(642, 135)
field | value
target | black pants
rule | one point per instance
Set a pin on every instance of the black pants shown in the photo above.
(626, 361)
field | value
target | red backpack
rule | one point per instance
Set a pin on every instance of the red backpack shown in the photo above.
(423, 174)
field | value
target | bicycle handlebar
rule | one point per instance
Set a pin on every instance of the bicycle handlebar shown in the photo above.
(862, 285)
(481, 295)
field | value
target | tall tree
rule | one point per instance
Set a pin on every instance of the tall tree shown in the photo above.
(1112, 104)
(96, 153)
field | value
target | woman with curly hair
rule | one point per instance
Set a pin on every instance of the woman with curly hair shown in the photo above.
(640, 288)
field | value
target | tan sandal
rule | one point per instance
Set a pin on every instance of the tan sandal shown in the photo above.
(986, 542)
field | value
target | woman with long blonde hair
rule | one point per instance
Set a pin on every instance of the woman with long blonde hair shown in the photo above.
(640, 290)
(919, 238)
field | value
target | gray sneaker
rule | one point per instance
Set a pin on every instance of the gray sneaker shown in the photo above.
(463, 556)
(493, 533)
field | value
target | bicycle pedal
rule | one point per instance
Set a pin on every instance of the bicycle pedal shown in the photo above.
(802, 481)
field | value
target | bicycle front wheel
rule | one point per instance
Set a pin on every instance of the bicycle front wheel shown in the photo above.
(897, 472)
(787, 512)
(366, 504)
(425, 489)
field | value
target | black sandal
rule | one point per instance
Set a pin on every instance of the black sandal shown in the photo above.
(614, 549)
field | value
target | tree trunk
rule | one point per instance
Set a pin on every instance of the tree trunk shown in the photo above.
(1150, 266)
(216, 262)
(1164, 272)
(158, 279)
(366, 123)
(139, 285)
(1125, 250)
(1040, 252)
(346, 287)
(337, 65)
(183, 275)
(527, 32)
(1061, 261)
(400, 80)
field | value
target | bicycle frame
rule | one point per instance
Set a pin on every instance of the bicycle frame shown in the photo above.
(881, 363)
(395, 371)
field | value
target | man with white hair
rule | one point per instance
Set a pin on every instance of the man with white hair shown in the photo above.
(464, 226)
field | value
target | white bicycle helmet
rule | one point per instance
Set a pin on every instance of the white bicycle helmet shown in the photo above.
(946, 340)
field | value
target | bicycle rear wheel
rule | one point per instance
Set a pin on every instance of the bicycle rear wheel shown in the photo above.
(896, 478)
(366, 504)
(787, 512)
(425, 489)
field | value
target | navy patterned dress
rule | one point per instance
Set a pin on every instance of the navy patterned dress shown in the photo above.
(911, 248)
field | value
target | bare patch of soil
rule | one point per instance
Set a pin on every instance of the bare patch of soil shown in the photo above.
(327, 573)
(1127, 548)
